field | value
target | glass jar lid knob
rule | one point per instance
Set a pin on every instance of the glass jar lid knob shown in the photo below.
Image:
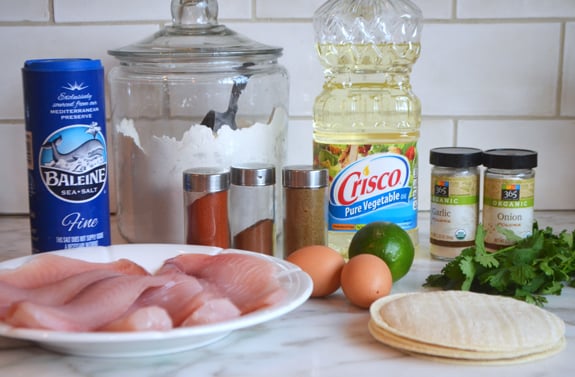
(194, 13)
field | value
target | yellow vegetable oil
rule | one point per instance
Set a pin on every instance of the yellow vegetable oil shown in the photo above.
(367, 119)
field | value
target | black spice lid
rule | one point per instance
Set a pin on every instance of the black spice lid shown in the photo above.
(510, 159)
(456, 157)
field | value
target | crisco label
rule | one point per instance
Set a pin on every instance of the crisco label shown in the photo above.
(370, 183)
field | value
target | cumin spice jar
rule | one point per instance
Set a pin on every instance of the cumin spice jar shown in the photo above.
(305, 202)
(206, 206)
(252, 207)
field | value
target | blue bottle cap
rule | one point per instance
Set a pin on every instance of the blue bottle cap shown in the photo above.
(58, 65)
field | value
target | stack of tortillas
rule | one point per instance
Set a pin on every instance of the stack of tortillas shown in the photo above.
(466, 327)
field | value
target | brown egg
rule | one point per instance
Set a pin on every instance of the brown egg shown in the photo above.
(323, 265)
(364, 279)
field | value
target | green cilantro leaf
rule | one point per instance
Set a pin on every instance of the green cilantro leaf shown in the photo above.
(468, 269)
(482, 257)
(532, 267)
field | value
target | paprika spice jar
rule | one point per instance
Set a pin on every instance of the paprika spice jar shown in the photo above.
(252, 207)
(206, 206)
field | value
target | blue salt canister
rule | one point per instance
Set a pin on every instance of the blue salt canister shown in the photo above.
(67, 154)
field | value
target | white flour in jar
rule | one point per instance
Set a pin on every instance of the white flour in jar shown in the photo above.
(149, 170)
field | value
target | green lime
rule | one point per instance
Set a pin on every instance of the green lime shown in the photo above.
(388, 241)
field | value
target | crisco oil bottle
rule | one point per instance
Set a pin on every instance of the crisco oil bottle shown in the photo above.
(366, 119)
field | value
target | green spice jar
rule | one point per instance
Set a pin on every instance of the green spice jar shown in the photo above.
(508, 194)
(305, 200)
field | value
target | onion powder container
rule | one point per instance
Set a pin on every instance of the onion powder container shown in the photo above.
(508, 194)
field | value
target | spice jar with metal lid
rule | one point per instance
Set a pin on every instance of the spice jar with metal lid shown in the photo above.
(305, 202)
(252, 207)
(508, 194)
(454, 213)
(206, 206)
(194, 94)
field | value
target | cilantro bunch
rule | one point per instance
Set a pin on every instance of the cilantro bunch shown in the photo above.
(538, 265)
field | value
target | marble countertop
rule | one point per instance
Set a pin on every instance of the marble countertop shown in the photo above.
(323, 337)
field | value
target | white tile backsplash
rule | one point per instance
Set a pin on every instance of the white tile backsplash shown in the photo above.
(568, 84)
(435, 9)
(14, 193)
(299, 143)
(552, 139)
(515, 8)
(109, 10)
(432, 9)
(489, 69)
(235, 9)
(299, 57)
(136, 10)
(56, 42)
(490, 73)
(25, 10)
(287, 9)
(434, 133)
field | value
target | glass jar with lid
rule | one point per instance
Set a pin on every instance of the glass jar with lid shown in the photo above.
(194, 94)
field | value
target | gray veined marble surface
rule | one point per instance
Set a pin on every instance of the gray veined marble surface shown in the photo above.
(323, 337)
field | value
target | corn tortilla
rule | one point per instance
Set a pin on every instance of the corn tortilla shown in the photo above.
(466, 326)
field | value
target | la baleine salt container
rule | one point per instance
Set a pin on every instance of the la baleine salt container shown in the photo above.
(66, 153)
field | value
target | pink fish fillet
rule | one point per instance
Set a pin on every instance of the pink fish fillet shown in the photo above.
(48, 268)
(211, 310)
(175, 297)
(189, 264)
(57, 293)
(248, 281)
(149, 318)
(94, 307)
(189, 301)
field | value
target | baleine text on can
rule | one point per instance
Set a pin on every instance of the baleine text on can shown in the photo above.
(67, 153)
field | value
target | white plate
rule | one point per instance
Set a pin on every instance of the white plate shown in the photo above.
(296, 283)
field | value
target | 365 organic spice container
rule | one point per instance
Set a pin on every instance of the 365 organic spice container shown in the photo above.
(508, 194)
(455, 178)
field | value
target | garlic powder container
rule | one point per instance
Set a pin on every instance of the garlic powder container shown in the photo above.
(455, 181)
